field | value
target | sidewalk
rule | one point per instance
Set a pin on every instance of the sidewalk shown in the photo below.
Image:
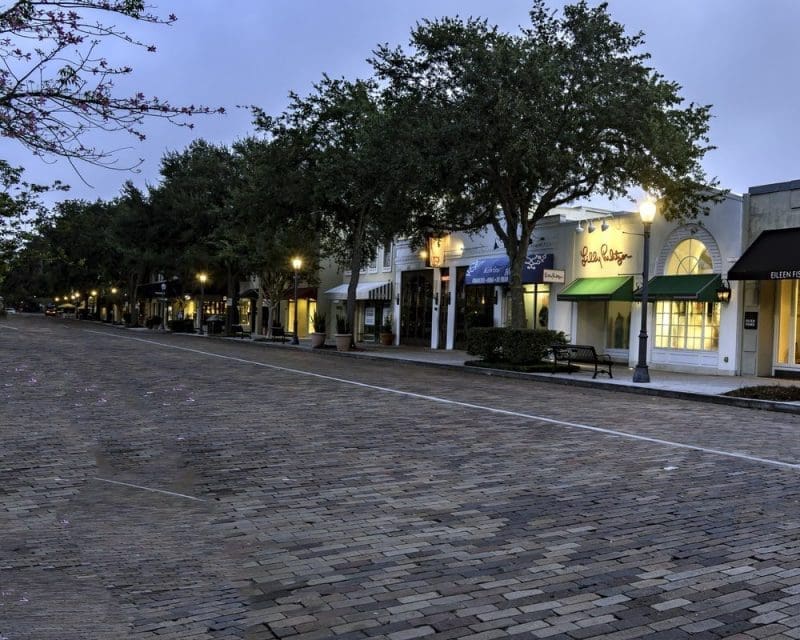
(705, 388)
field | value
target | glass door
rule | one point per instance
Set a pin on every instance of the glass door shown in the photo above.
(416, 307)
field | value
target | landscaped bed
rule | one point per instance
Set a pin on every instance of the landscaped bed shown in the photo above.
(767, 392)
(538, 367)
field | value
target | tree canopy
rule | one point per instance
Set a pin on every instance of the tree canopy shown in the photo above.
(343, 138)
(507, 127)
(56, 85)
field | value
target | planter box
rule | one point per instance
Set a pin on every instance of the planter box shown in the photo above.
(343, 341)
(317, 340)
(387, 339)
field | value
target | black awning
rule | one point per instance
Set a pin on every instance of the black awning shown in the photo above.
(775, 255)
(162, 289)
(302, 293)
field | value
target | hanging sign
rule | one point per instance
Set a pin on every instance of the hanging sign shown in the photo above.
(553, 275)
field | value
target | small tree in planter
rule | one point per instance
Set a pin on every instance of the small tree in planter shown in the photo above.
(387, 332)
(344, 336)
(318, 337)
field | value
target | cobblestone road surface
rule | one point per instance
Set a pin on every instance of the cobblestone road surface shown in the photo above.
(160, 486)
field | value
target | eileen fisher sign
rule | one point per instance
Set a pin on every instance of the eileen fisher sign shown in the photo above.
(784, 275)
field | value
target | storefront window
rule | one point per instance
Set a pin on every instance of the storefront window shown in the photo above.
(537, 306)
(687, 325)
(618, 325)
(788, 322)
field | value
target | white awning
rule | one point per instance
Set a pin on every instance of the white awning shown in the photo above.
(364, 291)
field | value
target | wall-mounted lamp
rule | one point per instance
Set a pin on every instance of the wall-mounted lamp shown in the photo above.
(724, 293)
(579, 228)
(604, 226)
(591, 226)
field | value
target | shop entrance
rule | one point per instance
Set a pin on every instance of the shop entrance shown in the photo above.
(416, 307)
(474, 307)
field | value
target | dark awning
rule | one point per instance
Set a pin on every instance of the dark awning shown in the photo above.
(163, 289)
(496, 270)
(249, 293)
(699, 288)
(773, 256)
(608, 288)
(302, 293)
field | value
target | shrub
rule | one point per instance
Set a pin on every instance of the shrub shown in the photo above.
(341, 324)
(516, 346)
(152, 322)
(318, 320)
(182, 326)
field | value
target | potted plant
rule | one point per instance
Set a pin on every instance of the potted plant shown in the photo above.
(343, 337)
(387, 332)
(318, 336)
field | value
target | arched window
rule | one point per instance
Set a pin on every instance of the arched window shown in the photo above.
(690, 257)
(687, 324)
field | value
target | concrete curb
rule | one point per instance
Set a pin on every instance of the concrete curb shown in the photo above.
(745, 403)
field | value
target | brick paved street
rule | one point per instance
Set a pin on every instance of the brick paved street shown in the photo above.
(167, 486)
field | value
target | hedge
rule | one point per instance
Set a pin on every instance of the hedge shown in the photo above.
(182, 326)
(516, 346)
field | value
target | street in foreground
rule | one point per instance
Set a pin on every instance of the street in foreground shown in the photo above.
(167, 486)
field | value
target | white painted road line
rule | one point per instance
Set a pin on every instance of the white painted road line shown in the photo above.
(137, 486)
(468, 405)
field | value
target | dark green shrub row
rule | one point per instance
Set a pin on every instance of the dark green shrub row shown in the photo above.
(517, 346)
(182, 326)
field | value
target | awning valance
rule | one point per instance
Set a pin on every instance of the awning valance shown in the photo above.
(162, 289)
(364, 291)
(604, 289)
(773, 256)
(699, 288)
(302, 293)
(496, 270)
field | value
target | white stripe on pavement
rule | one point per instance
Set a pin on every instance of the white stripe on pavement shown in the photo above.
(469, 405)
(138, 486)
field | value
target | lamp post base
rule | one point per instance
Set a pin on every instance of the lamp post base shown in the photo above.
(641, 374)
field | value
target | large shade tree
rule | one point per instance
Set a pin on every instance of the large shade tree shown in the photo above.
(272, 200)
(355, 196)
(508, 126)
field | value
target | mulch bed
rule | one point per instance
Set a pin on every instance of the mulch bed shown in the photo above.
(767, 392)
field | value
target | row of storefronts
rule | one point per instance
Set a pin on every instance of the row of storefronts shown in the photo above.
(723, 292)
(722, 299)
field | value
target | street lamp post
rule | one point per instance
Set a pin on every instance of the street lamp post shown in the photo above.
(202, 277)
(647, 212)
(296, 264)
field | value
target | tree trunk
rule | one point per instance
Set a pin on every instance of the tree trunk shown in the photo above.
(259, 305)
(232, 295)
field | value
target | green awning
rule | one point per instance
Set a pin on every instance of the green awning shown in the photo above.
(701, 288)
(609, 288)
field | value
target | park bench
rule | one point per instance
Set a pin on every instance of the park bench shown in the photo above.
(278, 334)
(241, 330)
(581, 354)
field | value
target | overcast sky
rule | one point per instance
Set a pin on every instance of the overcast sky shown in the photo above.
(738, 55)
